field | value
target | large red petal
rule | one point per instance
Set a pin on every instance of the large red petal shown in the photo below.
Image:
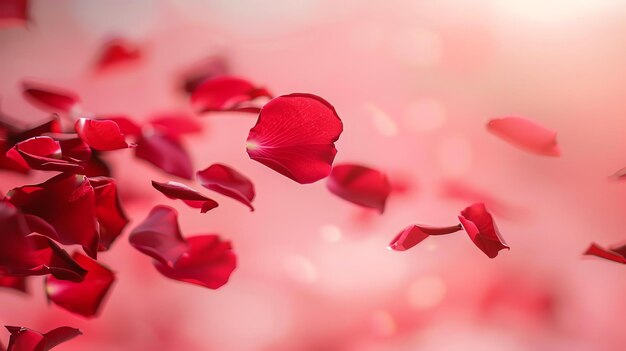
(101, 134)
(13, 12)
(526, 134)
(208, 262)
(159, 237)
(614, 254)
(414, 234)
(361, 185)
(24, 339)
(226, 93)
(295, 136)
(479, 225)
(84, 298)
(111, 216)
(229, 182)
(50, 98)
(191, 197)
(117, 52)
(166, 153)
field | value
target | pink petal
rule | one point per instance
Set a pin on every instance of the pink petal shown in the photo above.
(102, 135)
(117, 52)
(166, 153)
(226, 93)
(361, 185)
(295, 136)
(84, 298)
(13, 12)
(24, 339)
(229, 182)
(191, 197)
(159, 237)
(479, 225)
(613, 254)
(414, 234)
(208, 262)
(111, 216)
(50, 98)
(525, 134)
(176, 125)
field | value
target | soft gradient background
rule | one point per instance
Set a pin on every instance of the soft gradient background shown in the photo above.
(415, 83)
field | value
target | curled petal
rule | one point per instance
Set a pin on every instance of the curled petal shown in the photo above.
(165, 153)
(479, 225)
(227, 181)
(102, 135)
(111, 216)
(615, 254)
(42, 153)
(414, 234)
(24, 339)
(295, 136)
(175, 125)
(227, 93)
(159, 237)
(84, 298)
(191, 197)
(51, 99)
(13, 12)
(117, 52)
(208, 262)
(361, 185)
(526, 134)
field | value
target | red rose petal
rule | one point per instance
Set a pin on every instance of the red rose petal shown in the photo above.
(84, 298)
(197, 74)
(361, 185)
(24, 339)
(13, 12)
(127, 126)
(176, 125)
(227, 181)
(616, 254)
(111, 216)
(414, 234)
(13, 282)
(526, 134)
(226, 94)
(208, 262)
(42, 153)
(295, 136)
(102, 135)
(117, 52)
(10, 134)
(191, 197)
(67, 202)
(51, 99)
(479, 225)
(159, 237)
(166, 153)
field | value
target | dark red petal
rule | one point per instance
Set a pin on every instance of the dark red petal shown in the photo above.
(11, 134)
(159, 237)
(13, 282)
(229, 182)
(84, 298)
(295, 136)
(127, 126)
(208, 262)
(608, 254)
(526, 134)
(117, 52)
(100, 134)
(479, 225)
(67, 202)
(96, 166)
(166, 153)
(361, 185)
(13, 12)
(50, 98)
(175, 125)
(51, 125)
(73, 147)
(42, 153)
(226, 93)
(24, 339)
(191, 197)
(198, 73)
(414, 234)
(111, 216)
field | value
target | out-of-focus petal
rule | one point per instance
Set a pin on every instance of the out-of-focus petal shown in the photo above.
(227, 181)
(526, 134)
(175, 124)
(414, 234)
(166, 153)
(13, 282)
(227, 93)
(191, 197)
(361, 185)
(100, 134)
(615, 254)
(50, 98)
(13, 12)
(202, 71)
(24, 339)
(115, 53)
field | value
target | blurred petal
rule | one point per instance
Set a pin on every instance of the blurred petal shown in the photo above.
(526, 134)
(198, 73)
(127, 126)
(191, 197)
(115, 53)
(100, 134)
(227, 181)
(361, 185)
(617, 254)
(13, 282)
(414, 234)
(226, 94)
(24, 339)
(176, 125)
(166, 153)
(50, 98)
(479, 225)
(13, 12)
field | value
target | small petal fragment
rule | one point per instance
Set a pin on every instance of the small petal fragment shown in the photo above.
(526, 134)
(191, 197)
(295, 136)
(479, 225)
(51, 99)
(615, 254)
(414, 234)
(100, 134)
(84, 298)
(227, 94)
(227, 181)
(117, 52)
(361, 185)
(24, 339)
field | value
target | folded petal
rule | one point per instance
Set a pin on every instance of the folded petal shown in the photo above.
(111, 216)
(481, 228)
(115, 53)
(361, 185)
(526, 134)
(84, 298)
(191, 197)
(616, 254)
(227, 181)
(208, 262)
(166, 153)
(24, 339)
(227, 93)
(414, 234)
(295, 136)
(101, 134)
(50, 98)
(159, 237)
